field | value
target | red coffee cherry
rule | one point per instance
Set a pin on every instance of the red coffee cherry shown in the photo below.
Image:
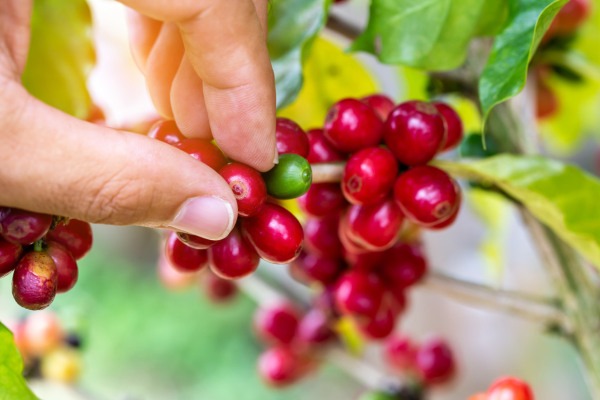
(75, 235)
(400, 353)
(322, 199)
(351, 125)
(375, 227)
(182, 257)
(291, 138)
(427, 195)
(203, 151)
(509, 388)
(369, 175)
(403, 265)
(315, 328)
(195, 242)
(166, 131)
(435, 362)
(35, 280)
(311, 268)
(66, 267)
(320, 149)
(279, 366)
(10, 253)
(366, 262)
(381, 325)
(415, 132)
(454, 125)
(233, 257)
(382, 104)
(359, 294)
(247, 186)
(321, 236)
(570, 18)
(276, 324)
(218, 290)
(24, 227)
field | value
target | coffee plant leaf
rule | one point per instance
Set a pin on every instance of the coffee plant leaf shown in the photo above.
(12, 383)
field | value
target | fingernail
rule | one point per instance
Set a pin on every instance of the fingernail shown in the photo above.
(276, 159)
(207, 216)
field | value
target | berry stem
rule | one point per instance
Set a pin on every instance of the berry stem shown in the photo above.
(327, 172)
(38, 245)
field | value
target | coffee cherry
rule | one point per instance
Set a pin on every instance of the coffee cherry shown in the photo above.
(570, 18)
(321, 236)
(182, 257)
(381, 325)
(66, 267)
(35, 280)
(275, 233)
(24, 227)
(403, 265)
(349, 244)
(415, 132)
(9, 255)
(247, 186)
(279, 366)
(365, 262)
(375, 226)
(351, 125)
(218, 290)
(203, 151)
(435, 362)
(166, 131)
(276, 324)
(509, 388)
(449, 221)
(233, 257)
(195, 242)
(359, 294)
(172, 278)
(314, 328)
(290, 178)
(311, 268)
(42, 332)
(320, 149)
(427, 195)
(380, 103)
(322, 199)
(290, 138)
(369, 175)
(75, 235)
(400, 353)
(546, 101)
(454, 125)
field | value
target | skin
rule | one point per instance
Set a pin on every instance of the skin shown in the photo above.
(206, 65)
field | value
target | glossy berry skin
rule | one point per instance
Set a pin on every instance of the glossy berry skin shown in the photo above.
(182, 257)
(322, 199)
(509, 388)
(166, 131)
(276, 324)
(75, 235)
(382, 104)
(400, 353)
(233, 257)
(454, 125)
(403, 265)
(375, 227)
(203, 151)
(381, 325)
(359, 294)
(290, 138)
(427, 195)
(321, 236)
(279, 366)
(451, 220)
(9, 255)
(314, 328)
(247, 186)
(24, 227)
(275, 233)
(311, 268)
(415, 132)
(435, 362)
(66, 267)
(351, 125)
(369, 175)
(35, 280)
(350, 247)
(365, 262)
(218, 290)
(320, 149)
(195, 242)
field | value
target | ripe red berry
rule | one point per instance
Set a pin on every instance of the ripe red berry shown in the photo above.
(315, 328)
(359, 294)
(382, 104)
(403, 265)
(218, 290)
(570, 18)
(375, 227)
(247, 186)
(276, 324)
(24, 227)
(366, 262)
(75, 235)
(166, 131)
(400, 353)
(35, 280)
(311, 268)
(291, 138)
(275, 234)
(449, 221)
(415, 132)
(381, 325)
(321, 236)
(66, 266)
(233, 257)
(320, 149)
(203, 151)
(454, 125)
(182, 257)
(509, 388)
(427, 195)
(195, 242)
(9, 256)
(369, 175)
(279, 366)
(172, 278)
(322, 199)
(351, 125)
(349, 244)
(435, 362)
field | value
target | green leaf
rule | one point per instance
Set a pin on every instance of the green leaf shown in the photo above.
(293, 24)
(61, 55)
(561, 196)
(429, 34)
(506, 71)
(12, 383)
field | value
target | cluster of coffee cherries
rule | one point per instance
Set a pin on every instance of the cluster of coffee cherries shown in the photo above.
(506, 388)
(47, 349)
(42, 252)
(265, 229)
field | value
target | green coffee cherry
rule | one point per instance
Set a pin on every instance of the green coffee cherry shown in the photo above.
(290, 178)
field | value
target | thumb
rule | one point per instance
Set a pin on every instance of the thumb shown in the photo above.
(56, 164)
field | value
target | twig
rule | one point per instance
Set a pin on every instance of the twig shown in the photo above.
(327, 172)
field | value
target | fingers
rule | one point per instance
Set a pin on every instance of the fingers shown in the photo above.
(15, 18)
(59, 165)
(143, 32)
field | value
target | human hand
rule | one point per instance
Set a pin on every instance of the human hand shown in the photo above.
(206, 65)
